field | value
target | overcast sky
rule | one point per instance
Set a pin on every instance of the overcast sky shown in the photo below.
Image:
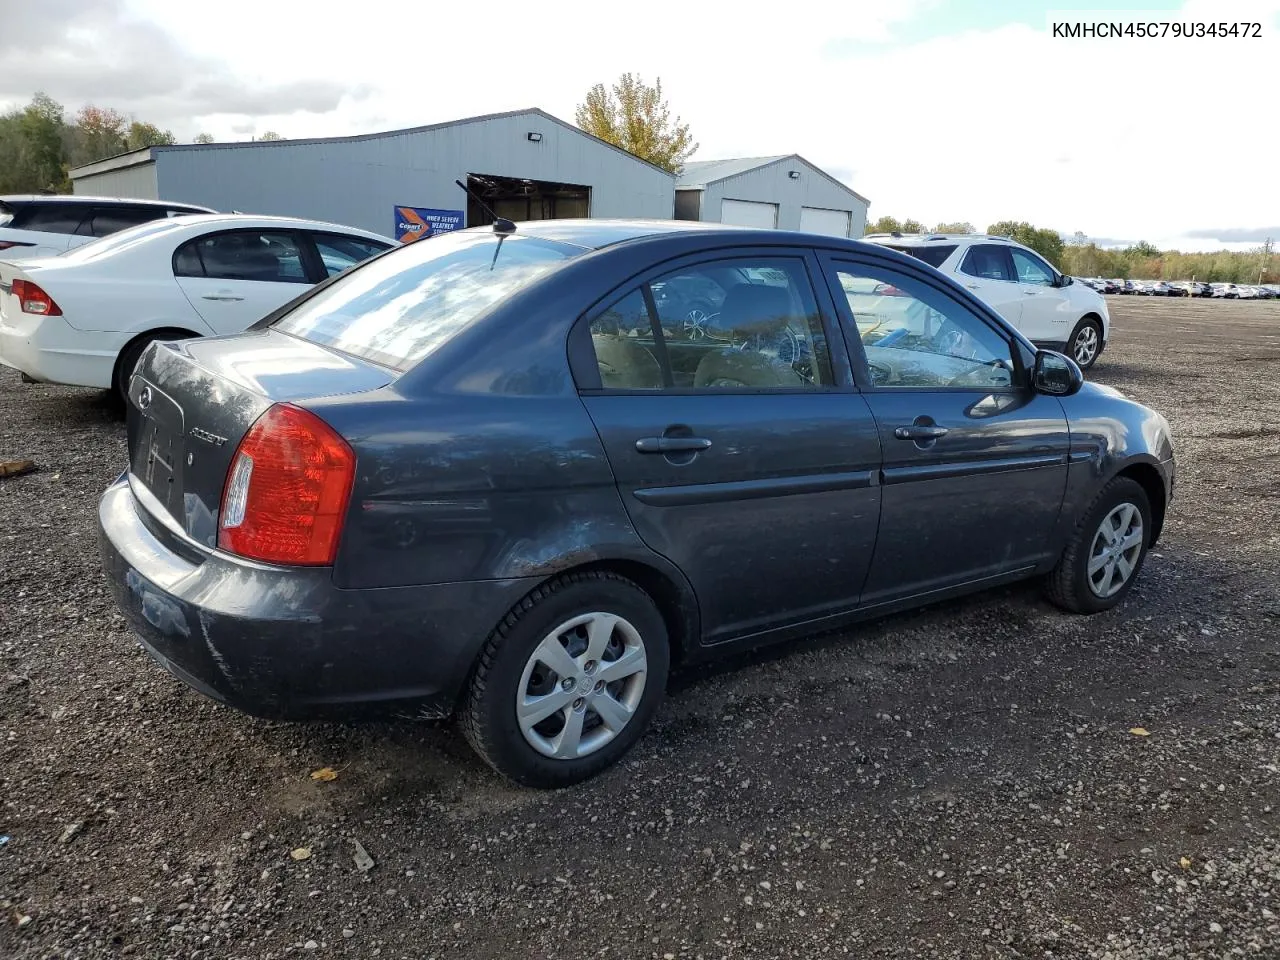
(934, 109)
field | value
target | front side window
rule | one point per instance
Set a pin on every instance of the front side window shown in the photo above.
(986, 261)
(916, 336)
(1031, 269)
(256, 255)
(339, 253)
(405, 306)
(749, 323)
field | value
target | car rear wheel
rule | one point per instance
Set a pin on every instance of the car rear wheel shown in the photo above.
(1086, 343)
(569, 680)
(128, 359)
(1105, 554)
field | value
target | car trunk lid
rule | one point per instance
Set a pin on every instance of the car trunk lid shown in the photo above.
(192, 401)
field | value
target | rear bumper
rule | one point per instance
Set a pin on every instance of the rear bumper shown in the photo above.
(285, 643)
(48, 350)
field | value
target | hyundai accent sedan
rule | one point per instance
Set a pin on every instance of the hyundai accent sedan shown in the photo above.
(504, 475)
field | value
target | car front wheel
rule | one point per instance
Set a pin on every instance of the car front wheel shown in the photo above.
(1106, 551)
(569, 680)
(1086, 343)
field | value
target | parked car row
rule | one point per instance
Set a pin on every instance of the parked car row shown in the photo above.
(1182, 288)
(85, 316)
(511, 474)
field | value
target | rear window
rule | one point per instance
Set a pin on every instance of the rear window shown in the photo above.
(934, 256)
(6, 214)
(397, 309)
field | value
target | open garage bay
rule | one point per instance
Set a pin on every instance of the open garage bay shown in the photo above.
(965, 781)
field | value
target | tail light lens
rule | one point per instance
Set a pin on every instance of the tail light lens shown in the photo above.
(12, 244)
(286, 493)
(35, 300)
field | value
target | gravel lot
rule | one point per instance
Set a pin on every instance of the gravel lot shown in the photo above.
(959, 782)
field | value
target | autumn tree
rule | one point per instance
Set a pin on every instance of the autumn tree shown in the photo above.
(202, 138)
(960, 226)
(100, 133)
(270, 135)
(142, 135)
(634, 116)
(887, 224)
(31, 147)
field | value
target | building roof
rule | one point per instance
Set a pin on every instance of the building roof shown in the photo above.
(148, 153)
(699, 174)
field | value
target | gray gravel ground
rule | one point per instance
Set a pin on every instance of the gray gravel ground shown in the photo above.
(959, 782)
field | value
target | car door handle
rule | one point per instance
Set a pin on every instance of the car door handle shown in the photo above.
(671, 444)
(919, 431)
(972, 286)
(223, 297)
(1029, 293)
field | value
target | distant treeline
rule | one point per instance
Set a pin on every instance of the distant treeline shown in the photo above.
(1141, 261)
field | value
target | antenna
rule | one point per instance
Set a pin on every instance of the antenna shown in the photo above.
(500, 224)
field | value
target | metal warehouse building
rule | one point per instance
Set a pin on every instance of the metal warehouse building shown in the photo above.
(527, 164)
(786, 193)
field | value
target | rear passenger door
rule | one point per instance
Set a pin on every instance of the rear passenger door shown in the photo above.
(741, 450)
(233, 278)
(987, 270)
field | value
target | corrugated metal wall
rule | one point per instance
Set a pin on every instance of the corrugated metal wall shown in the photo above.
(772, 185)
(361, 182)
(137, 182)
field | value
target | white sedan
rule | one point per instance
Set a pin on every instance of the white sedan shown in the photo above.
(85, 317)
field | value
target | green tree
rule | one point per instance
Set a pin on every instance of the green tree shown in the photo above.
(884, 225)
(40, 131)
(1144, 249)
(1047, 243)
(142, 135)
(202, 138)
(960, 226)
(912, 226)
(634, 116)
(270, 135)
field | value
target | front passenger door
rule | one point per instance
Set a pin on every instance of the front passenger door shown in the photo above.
(1045, 316)
(975, 462)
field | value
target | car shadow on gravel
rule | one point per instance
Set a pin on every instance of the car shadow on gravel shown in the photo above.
(63, 409)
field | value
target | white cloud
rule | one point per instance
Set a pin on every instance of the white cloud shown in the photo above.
(1149, 139)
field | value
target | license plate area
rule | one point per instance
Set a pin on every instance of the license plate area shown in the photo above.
(158, 445)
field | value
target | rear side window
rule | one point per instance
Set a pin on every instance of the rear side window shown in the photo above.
(108, 220)
(263, 256)
(6, 214)
(934, 256)
(725, 325)
(403, 307)
(339, 252)
(51, 217)
(988, 262)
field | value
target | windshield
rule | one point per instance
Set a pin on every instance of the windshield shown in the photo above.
(932, 255)
(120, 240)
(399, 308)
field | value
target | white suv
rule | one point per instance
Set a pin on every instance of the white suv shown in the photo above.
(1050, 309)
(45, 226)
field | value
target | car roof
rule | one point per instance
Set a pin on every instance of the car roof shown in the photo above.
(56, 198)
(923, 239)
(251, 220)
(594, 234)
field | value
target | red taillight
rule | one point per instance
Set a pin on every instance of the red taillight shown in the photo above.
(35, 300)
(889, 290)
(286, 492)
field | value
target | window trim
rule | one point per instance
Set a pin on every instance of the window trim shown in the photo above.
(299, 239)
(582, 359)
(832, 261)
(1008, 262)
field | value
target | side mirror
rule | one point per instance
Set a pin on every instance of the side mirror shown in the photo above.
(1064, 281)
(1055, 374)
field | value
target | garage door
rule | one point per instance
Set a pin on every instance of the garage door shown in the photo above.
(829, 223)
(749, 213)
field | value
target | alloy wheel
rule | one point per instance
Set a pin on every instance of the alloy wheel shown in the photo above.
(1116, 547)
(581, 685)
(1085, 347)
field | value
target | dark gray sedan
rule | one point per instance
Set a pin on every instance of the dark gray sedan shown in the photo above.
(515, 476)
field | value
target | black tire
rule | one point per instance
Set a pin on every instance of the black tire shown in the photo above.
(1068, 586)
(1074, 344)
(488, 715)
(125, 364)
